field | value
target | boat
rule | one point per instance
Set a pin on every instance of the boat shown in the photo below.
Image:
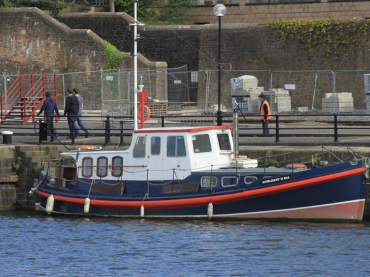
(197, 172)
(193, 172)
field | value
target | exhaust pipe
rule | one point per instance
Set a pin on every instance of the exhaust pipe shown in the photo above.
(236, 134)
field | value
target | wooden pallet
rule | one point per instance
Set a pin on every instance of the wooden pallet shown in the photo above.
(156, 108)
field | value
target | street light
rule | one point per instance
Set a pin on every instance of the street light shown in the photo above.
(219, 10)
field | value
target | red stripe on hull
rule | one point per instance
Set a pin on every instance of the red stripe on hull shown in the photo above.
(203, 201)
(159, 130)
(348, 210)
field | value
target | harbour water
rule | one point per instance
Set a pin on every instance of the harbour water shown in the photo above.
(38, 245)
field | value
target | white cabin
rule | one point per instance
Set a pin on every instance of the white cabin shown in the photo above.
(157, 154)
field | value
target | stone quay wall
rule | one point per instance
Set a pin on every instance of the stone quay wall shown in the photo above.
(34, 42)
(244, 47)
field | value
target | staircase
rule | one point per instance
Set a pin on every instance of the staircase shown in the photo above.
(24, 97)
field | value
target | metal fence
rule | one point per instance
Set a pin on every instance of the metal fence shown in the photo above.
(178, 89)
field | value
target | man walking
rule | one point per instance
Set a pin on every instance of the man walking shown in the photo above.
(49, 106)
(265, 113)
(71, 111)
(79, 115)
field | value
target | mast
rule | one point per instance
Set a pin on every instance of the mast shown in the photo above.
(135, 64)
(136, 37)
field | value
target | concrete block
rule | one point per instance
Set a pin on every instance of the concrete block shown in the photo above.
(302, 109)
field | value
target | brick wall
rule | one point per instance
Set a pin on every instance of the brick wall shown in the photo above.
(160, 43)
(255, 47)
(241, 13)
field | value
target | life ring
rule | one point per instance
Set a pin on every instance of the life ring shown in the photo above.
(296, 165)
(148, 113)
(86, 147)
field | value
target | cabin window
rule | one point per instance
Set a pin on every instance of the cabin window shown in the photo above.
(102, 167)
(201, 144)
(117, 163)
(87, 165)
(224, 141)
(176, 146)
(249, 179)
(207, 181)
(155, 145)
(229, 181)
(139, 148)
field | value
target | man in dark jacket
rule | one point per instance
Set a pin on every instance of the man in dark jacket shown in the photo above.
(49, 106)
(71, 111)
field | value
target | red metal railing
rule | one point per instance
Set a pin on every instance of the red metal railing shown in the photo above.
(10, 98)
(27, 96)
(35, 98)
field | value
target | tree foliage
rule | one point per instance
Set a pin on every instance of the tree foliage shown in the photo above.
(154, 12)
(112, 56)
(55, 8)
(143, 7)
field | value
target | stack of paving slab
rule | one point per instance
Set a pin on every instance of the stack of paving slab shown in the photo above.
(245, 91)
(245, 88)
(343, 103)
(281, 100)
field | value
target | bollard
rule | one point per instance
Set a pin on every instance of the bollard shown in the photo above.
(121, 134)
(108, 128)
(7, 137)
(106, 135)
(43, 133)
(277, 134)
(219, 118)
(162, 117)
(336, 128)
(73, 132)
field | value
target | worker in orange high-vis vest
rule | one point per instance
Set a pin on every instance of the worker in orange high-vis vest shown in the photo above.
(265, 113)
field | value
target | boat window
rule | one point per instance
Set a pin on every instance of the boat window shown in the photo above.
(201, 144)
(102, 167)
(249, 179)
(139, 149)
(224, 141)
(117, 169)
(208, 180)
(229, 181)
(176, 146)
(156, 145)
(87, 164)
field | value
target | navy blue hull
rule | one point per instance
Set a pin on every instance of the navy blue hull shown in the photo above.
(340, 198)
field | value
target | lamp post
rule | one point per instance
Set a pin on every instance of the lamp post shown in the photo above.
(219, 10)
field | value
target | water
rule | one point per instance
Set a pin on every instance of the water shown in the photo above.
(35, 245)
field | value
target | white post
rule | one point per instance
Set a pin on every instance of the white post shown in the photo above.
(135, 66)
